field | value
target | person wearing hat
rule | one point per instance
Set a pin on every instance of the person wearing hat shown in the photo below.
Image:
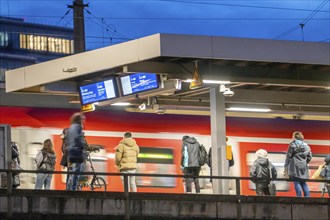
(260, 169)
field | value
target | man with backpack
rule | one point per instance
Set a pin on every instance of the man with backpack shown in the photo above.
(191, 161)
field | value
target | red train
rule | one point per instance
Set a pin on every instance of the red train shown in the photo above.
(159, 137)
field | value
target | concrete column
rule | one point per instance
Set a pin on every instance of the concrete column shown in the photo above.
(218, 137)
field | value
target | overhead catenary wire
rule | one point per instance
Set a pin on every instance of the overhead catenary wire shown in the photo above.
(304, 22)
(108, 27)
(178, 18)
(190, 2)
(237, 5)
(63, 17)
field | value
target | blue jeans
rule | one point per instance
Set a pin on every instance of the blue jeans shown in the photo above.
(300, 185)
(43, 179)
(75, 167)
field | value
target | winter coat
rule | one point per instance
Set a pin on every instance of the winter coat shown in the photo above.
(260, 169)
(190, 149)
(45, 160)
(126, 154)
(297, 158)
(325, 173)
(76, 143)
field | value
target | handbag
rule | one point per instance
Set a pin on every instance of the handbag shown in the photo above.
(317, 173)
(15, 166)
(271, 185)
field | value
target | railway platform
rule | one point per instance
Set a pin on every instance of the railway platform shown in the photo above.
(59, 204)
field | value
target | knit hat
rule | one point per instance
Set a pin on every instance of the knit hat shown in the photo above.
(261, 153)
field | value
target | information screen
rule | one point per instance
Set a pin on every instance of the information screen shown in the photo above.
(96, 92)
(139, 82)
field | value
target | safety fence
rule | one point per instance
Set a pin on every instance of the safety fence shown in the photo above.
(126, 193)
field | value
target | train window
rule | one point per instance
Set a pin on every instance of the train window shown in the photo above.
(277, 160)
(156, 161)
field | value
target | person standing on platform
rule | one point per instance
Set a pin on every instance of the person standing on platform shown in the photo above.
(45, 161)
(76, 144)
(64, 160)
(261, 168)
(296, 163)
(15, 165)
(126, 158)
(190, 163)
(231, 161)
(325, 173)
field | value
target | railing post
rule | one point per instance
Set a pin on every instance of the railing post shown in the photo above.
(9, 193)
(126, 196)
(238, 195)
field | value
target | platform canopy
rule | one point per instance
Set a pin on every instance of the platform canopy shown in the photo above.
(285, 76)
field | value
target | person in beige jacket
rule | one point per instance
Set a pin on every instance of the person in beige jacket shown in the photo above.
(126, 158)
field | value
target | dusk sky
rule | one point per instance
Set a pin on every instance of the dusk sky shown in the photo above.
(109, 22)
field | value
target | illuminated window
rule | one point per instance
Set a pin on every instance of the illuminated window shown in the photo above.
(43, 43)
(3, 39)
(22, 41)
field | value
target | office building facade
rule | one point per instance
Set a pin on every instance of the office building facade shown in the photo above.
(23, 43)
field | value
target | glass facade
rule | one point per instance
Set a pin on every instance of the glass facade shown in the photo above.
(47, 44)
(3, 39)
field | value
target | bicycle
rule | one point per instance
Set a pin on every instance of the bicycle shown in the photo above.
(97, 183)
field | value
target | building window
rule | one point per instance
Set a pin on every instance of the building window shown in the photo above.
(22, 41)
(4, 39)
(47, 44)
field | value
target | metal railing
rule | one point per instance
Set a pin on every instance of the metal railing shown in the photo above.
(126, 176)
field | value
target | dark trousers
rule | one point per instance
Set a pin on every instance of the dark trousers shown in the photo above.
(194, 171)
(262, 189)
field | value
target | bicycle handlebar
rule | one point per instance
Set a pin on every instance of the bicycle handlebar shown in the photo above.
(93, 148)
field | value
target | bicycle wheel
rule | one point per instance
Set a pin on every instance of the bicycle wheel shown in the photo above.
(98, 184)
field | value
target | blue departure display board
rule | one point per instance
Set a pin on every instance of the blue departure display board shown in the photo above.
(97, 92)
(139, 82)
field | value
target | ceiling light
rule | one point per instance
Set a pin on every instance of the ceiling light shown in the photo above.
(249, 109)
(215, 82)
(121, 104)
(209, 81)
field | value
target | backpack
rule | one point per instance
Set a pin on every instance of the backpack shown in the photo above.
(47, 163)
(202, 155)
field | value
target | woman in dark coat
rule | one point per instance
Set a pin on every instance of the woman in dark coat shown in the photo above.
(296, 164)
